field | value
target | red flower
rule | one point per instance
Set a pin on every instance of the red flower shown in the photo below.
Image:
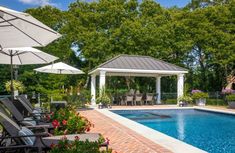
(48, 117)
(88, 129)
(77, 138)
(52, 113)
(55, 123)
(64, 122)
(52, 145)
(107, 141)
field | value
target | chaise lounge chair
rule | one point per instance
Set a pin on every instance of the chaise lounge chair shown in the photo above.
(38, 113)
(25, 102)
(24, 139)
(26, 121)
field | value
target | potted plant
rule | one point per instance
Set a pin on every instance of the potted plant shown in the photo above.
(199, 97)
(17, 87)
(184, 100)
(103, 100)
(231, 100)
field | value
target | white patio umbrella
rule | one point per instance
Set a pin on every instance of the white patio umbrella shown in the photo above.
(59, 68)
(19, 29)
(24, 56)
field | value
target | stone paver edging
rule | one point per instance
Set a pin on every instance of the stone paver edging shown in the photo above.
(122, 139)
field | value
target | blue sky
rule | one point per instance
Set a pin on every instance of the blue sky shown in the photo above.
(21, 5)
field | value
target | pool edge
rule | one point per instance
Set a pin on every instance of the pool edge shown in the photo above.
(162, 139)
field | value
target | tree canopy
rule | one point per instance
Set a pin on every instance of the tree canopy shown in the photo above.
(200, 37)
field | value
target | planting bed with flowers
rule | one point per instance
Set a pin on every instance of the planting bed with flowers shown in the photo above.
(69, 121)
(76, 146)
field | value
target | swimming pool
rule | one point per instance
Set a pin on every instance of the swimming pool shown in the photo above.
(212, 132)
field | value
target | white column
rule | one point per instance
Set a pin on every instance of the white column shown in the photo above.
(102, 80)
(158, 89)
(180, 85)
(93, 88)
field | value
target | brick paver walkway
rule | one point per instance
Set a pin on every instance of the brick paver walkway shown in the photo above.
(122, 139)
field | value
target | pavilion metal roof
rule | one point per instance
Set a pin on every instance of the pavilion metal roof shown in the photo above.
(137, 62)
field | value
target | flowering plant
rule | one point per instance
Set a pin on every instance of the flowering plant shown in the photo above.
(68, 121)
(196, 91)
(227, 91)
(198, 94)
(76, 146)
(17, 85)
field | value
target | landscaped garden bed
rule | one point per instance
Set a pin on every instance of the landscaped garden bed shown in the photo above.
(68, 121)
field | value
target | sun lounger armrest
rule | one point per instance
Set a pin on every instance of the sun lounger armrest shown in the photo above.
(38, 126)
(45, 127)
(39, 113)
(14, 147)
(35, 119)
(34, 135)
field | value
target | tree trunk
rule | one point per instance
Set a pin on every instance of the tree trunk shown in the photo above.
(203, 69)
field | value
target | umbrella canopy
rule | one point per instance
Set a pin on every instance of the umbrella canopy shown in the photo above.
(19, 29)
(59, 68)
(25, 56)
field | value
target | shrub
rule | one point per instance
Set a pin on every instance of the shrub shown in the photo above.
(185, 99)
(66, 146)
(58, 96)
(86, 95)
(218, 102)
(230, 97)
(170, 101)
(103, 98)
(197, 94)
(68, 121)
(76, 100)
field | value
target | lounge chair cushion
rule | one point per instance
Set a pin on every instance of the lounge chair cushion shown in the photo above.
(38, 109)
(37, 114)
(27, 140)
(29, 122)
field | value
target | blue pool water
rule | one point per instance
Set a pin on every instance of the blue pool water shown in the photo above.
(212, 132)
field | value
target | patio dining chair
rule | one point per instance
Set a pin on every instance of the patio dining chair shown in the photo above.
(24, 139)
(129, 99)
(149, 99)
(138, 99)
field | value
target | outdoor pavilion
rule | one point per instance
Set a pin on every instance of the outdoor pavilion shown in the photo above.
(139, 66)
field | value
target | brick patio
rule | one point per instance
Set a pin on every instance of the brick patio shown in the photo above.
(122, 139)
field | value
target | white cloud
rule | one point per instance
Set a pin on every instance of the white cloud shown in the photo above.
(38, 2)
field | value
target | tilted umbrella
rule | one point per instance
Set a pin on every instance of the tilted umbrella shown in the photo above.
(59, 68)
(19, 29)
(24, 56)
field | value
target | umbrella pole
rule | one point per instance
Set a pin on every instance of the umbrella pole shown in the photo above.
(12, 88)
